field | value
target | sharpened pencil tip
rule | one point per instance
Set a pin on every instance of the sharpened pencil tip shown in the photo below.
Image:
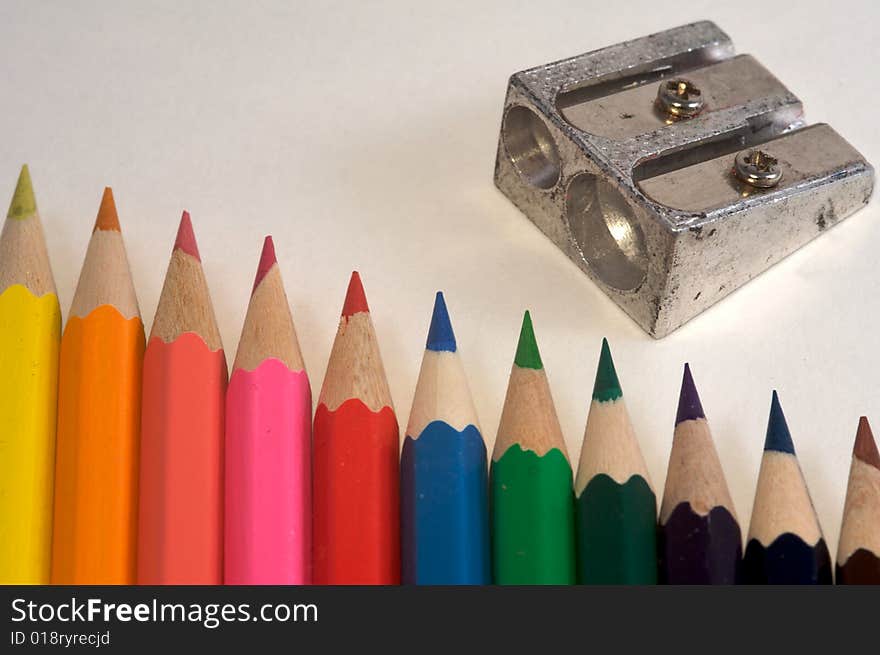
(108, 219)
(689, 405)
(527, 353)
(607, 385)
(865, 448)
(440, 334)
(778, 435)
(355, 298)
(23, 204)
(186, 238)
(267, 261)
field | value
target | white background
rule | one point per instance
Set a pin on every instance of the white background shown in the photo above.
(363, 135)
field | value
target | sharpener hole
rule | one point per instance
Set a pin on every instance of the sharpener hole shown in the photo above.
(531, 147)
(606, 232)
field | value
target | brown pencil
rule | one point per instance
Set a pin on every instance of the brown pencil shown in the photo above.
(858, 552)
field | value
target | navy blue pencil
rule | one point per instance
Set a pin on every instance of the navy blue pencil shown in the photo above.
(785, 544)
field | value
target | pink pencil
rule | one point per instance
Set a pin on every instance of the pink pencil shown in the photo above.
(268, 443)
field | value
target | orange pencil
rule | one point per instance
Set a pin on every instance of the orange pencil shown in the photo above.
(180, 538)
(99, 400)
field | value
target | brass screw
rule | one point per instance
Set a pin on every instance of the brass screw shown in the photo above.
(758, 169)
(680, 98)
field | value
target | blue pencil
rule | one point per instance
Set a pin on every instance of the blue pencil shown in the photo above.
(443, 473)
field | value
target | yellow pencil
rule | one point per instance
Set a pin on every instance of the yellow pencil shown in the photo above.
(30, 333)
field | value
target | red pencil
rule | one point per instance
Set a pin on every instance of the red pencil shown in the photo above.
(356, 513)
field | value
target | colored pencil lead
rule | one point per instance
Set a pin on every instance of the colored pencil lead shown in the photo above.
(607, 386)
(108, 219)
(267, 260)
(440, 334)
(527, 354)
(23, 204)
(689, 406)
(865, 448)
(186, 238)
(778, 434)
(355, 298)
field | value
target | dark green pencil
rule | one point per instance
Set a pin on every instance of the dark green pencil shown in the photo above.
(616, 508)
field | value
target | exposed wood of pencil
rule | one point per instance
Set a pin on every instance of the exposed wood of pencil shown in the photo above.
(268, 330)
(529, 415)
(105, 278)
(610, 446)
(185, 303)
(442, 393)
(782, 502)
(23, 256)
(355, 368)
(695, 475)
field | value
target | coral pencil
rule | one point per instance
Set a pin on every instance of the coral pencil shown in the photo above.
(356, 511)
(699, 540)
(30, 331)
(268, 520)
(443, 476)
(785, 543)
(530, 479)
(858, 552)
(180, 534)
(616, 507)
(99, 401)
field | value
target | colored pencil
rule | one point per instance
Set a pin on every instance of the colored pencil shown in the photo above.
(530, 479)
(99, 402)
(30, 331)
(268, 520)
(615, 504)
(699, 540)
(356, 511)
(443, 475)
(785, 543)
(858, 551)
(180, 536)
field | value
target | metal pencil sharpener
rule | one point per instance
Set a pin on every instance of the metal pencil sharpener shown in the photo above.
(671, 170)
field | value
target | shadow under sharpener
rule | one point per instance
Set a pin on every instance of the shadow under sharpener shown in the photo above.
(671, 170)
